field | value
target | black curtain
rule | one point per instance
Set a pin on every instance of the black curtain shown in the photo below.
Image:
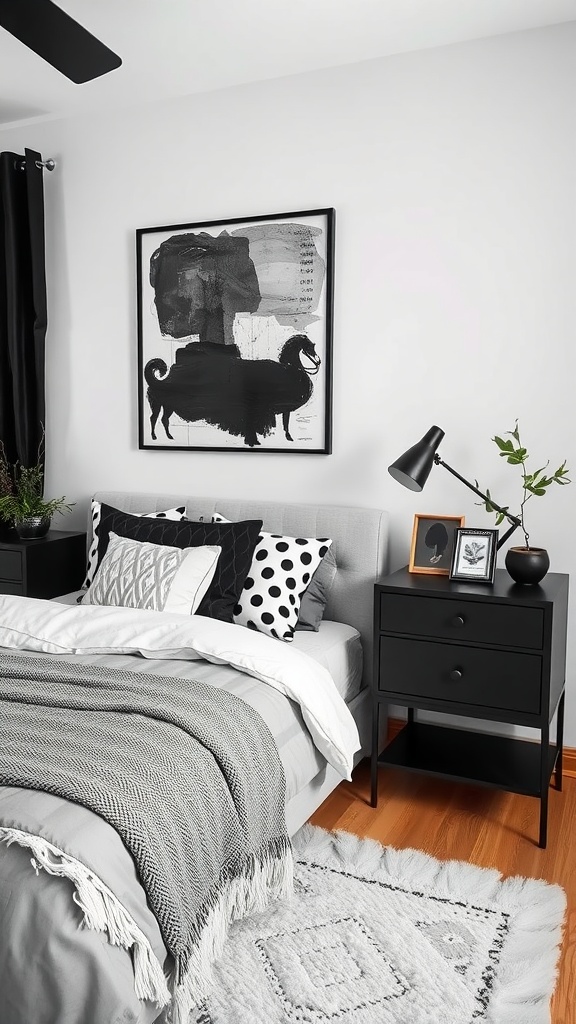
(22, 307)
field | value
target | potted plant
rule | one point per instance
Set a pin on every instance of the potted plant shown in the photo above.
(21, 499)
(526, 564)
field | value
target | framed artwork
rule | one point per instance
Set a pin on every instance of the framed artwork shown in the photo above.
(432, 544)
(235, 334)
(474, 555)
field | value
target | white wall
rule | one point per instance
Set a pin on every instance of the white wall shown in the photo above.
(453, 174)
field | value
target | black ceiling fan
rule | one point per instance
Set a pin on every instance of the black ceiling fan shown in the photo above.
(57, 38)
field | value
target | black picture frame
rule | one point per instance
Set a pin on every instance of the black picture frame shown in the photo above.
(474, 557)
(235, 323)
(432, 543)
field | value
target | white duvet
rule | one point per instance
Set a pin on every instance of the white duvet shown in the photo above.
(51, 628)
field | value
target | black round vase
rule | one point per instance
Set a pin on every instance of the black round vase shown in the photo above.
(527, 565)
(33, 527)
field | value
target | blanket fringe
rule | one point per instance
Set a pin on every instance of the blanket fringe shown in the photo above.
(266, 877)
(102, 911)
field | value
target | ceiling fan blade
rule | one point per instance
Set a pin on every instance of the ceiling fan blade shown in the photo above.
(57, 38)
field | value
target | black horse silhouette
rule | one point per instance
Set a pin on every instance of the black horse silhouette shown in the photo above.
(241, 396)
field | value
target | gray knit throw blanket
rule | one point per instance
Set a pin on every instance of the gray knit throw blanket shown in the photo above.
(187, 774)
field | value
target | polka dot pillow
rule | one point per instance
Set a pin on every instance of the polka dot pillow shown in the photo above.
(96, 508)
(281, 570)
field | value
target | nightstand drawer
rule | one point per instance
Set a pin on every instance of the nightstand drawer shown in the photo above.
(14, 589)
(11, 565)
(453, 619)
(466, 675)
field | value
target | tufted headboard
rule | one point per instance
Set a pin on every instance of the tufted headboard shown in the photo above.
(359, 535)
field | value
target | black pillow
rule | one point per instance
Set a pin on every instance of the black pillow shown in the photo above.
(237, 541)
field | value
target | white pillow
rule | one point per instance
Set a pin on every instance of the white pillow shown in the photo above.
(154, 577)
(92, 565)
(279, 574)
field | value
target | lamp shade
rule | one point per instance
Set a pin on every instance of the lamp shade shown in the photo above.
(412, 469)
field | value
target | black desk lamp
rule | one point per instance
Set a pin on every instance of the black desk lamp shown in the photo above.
(412, 470)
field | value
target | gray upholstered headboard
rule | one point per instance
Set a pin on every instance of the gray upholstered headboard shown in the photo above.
(359, 535)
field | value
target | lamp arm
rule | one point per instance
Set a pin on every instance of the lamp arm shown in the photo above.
(513, 520)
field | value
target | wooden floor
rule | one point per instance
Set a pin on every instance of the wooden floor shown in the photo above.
(486, 827)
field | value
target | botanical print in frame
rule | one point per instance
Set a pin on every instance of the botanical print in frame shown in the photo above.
(235, 334)
(474, 557)
(432, 544)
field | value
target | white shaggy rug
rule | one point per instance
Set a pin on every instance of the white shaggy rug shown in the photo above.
(382, 936)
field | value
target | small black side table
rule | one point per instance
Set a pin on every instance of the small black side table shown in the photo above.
(49, 567)
(496, 653)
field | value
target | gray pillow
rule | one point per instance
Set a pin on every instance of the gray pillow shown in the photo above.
(315, 597)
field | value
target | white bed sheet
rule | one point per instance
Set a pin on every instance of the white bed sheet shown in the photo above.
(336, 646)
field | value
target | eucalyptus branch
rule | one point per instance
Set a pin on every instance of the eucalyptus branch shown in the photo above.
(534, 484)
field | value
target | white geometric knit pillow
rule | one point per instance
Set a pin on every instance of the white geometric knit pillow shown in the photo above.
(92, 564)
(156, 577)
(281, 570)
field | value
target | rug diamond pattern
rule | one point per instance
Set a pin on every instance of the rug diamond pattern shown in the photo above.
(352, 950)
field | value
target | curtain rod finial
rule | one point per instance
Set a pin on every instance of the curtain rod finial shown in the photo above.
(49, 164)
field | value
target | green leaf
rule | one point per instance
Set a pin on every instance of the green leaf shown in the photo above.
(561, 473)
(500, 518)
(504, 446)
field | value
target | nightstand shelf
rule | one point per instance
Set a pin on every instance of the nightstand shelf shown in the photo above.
(498, 762)
(494, 653)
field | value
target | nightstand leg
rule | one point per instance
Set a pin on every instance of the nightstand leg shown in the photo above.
(559, 744)
(374, 756)
(544, 783)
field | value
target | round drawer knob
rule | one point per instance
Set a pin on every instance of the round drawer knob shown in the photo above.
(456, 674)
(458, 620)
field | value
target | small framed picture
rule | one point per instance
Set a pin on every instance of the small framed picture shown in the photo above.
(432, 544)
(474, 555)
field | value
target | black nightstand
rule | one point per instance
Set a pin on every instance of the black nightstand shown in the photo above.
(496, 653)
(49, 567)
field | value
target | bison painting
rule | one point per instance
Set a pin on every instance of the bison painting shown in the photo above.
(241, 396)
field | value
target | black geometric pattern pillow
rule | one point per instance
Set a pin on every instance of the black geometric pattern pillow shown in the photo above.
(237, 540)
(92, 563)
(281, 570)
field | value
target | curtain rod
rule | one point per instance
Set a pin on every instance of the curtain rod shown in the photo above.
(48, 164)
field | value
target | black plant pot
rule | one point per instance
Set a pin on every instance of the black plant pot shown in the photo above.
(33, 527)
(527, 565)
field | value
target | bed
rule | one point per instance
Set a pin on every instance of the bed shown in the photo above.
(103, 990)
